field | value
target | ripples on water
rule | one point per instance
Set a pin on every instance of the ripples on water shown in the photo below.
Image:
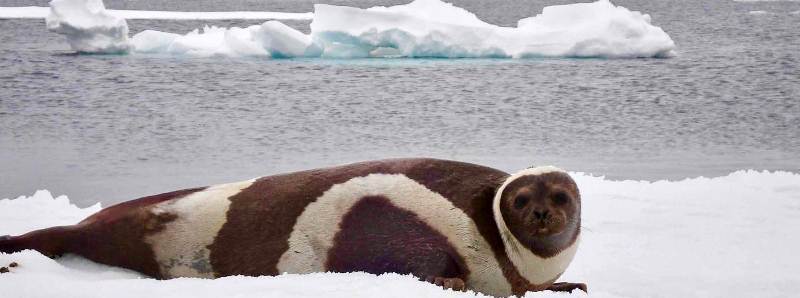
(112, 128)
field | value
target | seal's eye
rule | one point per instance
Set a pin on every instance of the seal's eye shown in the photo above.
(560, 198)
(521, 201)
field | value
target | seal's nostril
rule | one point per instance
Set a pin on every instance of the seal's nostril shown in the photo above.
(541, 214)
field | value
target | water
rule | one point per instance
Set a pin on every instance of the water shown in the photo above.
(112, 128)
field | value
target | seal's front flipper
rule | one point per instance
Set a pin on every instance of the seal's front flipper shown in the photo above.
(454, 283)
(567, 287)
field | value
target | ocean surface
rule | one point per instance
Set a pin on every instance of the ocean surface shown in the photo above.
(113, 127)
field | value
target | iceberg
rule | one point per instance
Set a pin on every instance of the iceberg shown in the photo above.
(420, 29)
(432, 28)
(88, 27)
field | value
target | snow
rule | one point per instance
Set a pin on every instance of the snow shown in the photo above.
(423, 28)
(41, 210)
(731, 236)
(38, 12)
(88, 27)
(76, 277)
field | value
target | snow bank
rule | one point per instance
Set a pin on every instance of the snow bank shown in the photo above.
(429, 28)
(41, 210)
(88, 27)
(731, 236)
(38, 12)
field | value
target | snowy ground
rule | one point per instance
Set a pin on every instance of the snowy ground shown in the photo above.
(732, 236)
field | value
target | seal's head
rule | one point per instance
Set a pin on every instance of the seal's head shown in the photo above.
(538, 212)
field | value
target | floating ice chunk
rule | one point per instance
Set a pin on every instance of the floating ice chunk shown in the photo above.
(284, 41)
(759, 12)
(597, 29)
(88, 27)
(432, 28)
(271, 38)
(151, 41)
(210, 41)
(422, 28)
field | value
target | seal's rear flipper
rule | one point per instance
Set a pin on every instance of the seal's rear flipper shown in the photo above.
(50, 242)
(9, 244)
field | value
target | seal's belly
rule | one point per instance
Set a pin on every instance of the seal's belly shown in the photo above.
(377, 223)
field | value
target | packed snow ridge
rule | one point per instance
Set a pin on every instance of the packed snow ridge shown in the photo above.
(422, 28)
(706, 237)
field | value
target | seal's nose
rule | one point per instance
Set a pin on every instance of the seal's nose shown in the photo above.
(540, 214)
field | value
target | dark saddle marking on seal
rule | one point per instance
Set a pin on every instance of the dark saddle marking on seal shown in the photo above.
(378, 237)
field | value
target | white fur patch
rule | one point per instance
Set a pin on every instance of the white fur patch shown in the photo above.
(313, 234)
(535, 269)
(181, 248)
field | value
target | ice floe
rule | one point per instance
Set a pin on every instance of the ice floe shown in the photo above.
(270, 39)
(88, 27)
(422, 28)
(695, 237)
(431, 28)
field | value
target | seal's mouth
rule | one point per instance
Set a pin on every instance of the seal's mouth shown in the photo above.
(546, 229)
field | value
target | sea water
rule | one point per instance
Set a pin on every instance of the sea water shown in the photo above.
(114, 127)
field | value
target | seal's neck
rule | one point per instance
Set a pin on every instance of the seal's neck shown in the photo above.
(535, 269)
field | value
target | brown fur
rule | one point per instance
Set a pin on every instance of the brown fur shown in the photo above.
(377, 237)
(260, 219)
(113, 236)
